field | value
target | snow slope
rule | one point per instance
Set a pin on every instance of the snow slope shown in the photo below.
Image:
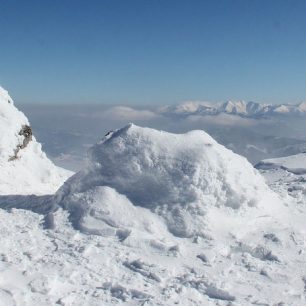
(286, 175)
(25, 169)
(156, 219)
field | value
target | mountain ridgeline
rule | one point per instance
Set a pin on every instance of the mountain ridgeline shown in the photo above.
(241, 108)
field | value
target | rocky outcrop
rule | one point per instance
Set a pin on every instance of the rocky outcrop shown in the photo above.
(26, 132)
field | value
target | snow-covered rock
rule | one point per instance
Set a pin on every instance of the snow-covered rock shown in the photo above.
(177, 179)
(24, 168)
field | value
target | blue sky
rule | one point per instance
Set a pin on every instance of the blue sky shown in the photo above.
(153, 52)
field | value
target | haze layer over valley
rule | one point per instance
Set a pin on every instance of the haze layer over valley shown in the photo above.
(253, 130)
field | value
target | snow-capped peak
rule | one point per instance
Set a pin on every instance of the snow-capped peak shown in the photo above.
(237, 107)
(240, 108)
(302, 107)
(281, 109)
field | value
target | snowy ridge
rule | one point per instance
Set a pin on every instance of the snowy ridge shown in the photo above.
(25, 169)
(241, 108)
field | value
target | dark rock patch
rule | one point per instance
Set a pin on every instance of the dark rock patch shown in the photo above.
(26, 132)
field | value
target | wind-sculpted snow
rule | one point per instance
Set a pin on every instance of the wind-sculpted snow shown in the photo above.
(25, 169)
(176, 178)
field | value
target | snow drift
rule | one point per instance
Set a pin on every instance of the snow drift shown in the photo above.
(149, 177)
(25, 169)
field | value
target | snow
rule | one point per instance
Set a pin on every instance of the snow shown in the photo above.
(281, 109)
(287, 176)
(178, 177)
(156, 219)
(11, 121)
(294, 163)
(238, 107)
(241, 108)
(302, 107)
(30, 171)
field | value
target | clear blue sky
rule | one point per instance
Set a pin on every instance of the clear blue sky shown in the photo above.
(151, 51)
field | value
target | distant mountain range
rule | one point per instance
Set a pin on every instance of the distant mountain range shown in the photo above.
(241, 108)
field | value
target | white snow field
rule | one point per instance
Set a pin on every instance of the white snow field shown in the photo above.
(156, 219)
(25, 169)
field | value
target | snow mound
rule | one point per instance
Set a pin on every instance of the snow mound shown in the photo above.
(25, 169)
(153, 177)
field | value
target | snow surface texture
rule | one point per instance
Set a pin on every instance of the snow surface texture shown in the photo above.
(25, 169)
(179, 177)
(177, 220)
